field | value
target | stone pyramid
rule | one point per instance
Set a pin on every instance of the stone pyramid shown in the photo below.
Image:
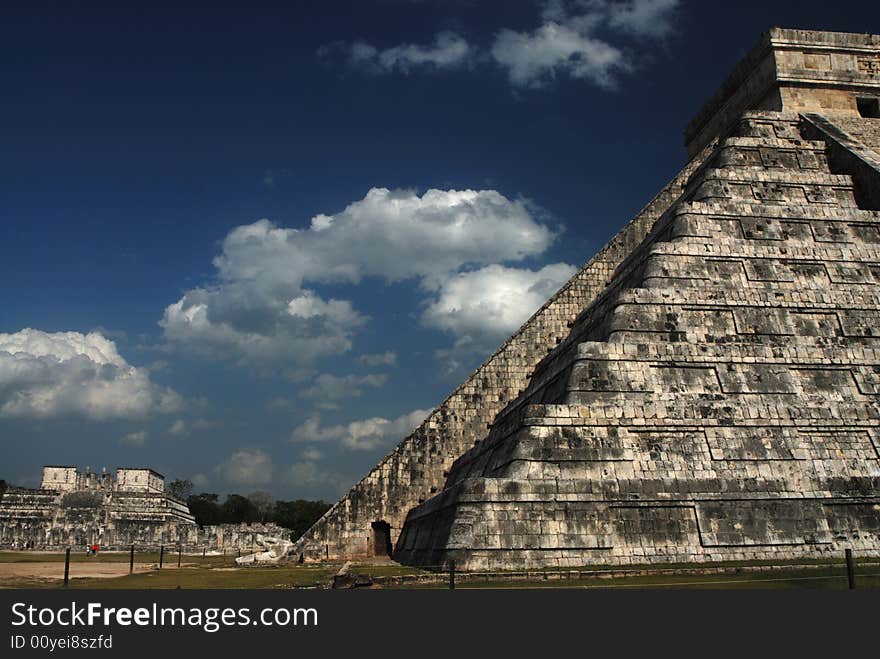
(715, 393)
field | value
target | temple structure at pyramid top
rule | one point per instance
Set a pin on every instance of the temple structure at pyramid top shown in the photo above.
(792, 71)
(706, 387)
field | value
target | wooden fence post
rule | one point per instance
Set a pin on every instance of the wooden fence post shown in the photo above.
(66, 566)
(850, 570)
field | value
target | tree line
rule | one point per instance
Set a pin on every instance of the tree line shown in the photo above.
(206, 507)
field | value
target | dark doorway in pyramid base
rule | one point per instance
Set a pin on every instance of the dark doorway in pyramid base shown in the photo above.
(869, 106)
(381, 538)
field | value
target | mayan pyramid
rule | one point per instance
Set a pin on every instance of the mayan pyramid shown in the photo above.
(706, 387)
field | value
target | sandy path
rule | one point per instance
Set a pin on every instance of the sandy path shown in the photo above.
(14, 573)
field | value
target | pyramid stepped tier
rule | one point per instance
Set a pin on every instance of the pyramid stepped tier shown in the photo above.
(705, 387)
(416, 469)
(718, 400)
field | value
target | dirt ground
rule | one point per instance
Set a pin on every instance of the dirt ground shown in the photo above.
(22, 574)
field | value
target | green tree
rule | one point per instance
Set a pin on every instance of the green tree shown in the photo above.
(299, 515)
(180, 488)
(238, 509)
(205, 508)
(264, 503)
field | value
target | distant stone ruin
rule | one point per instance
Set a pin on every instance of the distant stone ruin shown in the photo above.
(241, 538)
(707, 387)
(73, 508)
(79, 508)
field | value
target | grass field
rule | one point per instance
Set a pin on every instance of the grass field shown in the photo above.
(110, 571)
(113, 557)
(782, 579)
(252, 577)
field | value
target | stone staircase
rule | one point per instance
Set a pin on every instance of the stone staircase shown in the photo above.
(718, 400)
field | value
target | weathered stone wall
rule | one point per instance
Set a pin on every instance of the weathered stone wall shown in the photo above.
(59, 478)
(719, 400)
(229, 538)
(54, 519)
(46, 519)
(864, 130)
(792, 71)
(79, 508)
(25, 516)
(853, 146)
(139, 480)
(416, 469)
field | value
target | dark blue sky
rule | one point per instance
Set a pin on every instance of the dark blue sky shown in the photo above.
(139, 136)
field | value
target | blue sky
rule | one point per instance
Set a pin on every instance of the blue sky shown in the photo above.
(254, 245)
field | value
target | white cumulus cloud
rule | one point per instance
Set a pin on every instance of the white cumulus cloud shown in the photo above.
(178, 428)
(183, 428)
(332, 388)
(393, 234)
(448, 51)
(260, 312)
(379, 359)
(362, 435)
(45, 374)
(249, 467)
(574, 40)
(312, 454)
(134, 438)
(200, 481)
(483, 307)
(260, 325)
(309, 475)
(652, 18)
(532, 58)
